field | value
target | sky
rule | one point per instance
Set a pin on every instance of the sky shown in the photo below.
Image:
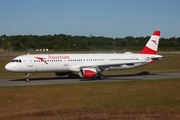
(108, 18)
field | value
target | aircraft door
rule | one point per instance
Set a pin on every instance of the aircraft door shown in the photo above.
(29, 61)
(65, 62)
(106, 60)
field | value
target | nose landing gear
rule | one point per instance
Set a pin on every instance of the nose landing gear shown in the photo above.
(27, 77)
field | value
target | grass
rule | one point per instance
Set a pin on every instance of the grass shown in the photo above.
(157, 99)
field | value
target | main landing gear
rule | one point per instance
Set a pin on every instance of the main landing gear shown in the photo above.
(100, 76)
(27, 77)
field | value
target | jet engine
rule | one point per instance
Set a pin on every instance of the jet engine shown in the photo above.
(87, 72)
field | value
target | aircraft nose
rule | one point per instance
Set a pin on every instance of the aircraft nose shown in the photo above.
(8, 67)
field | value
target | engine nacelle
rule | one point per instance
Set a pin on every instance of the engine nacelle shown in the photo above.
(87, 72)
(61, 73)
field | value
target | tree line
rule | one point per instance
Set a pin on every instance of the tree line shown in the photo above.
(62, 42)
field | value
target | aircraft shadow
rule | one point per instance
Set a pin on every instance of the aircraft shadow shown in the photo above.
(38, 79)
(122, 76)
(127, 75)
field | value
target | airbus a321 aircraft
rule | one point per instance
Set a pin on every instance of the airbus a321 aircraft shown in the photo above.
(87, 65)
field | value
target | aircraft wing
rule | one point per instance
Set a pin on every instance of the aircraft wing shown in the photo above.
(102, 67)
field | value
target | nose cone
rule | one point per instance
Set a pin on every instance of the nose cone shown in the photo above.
(10, 67)
(7, 67)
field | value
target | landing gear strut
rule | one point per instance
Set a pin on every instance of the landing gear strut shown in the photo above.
(27, 77)
(100, 75)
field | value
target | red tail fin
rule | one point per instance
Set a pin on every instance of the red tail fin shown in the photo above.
(152, 45)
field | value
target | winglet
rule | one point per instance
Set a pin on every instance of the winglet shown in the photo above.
(152, 45)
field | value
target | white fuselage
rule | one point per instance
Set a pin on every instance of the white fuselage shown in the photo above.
(31, 63)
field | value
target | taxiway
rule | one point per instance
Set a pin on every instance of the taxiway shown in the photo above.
(66, 80)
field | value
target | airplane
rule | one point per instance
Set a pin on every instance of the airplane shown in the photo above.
(87, 65)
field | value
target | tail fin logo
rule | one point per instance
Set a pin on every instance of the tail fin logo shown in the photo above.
(155, 42)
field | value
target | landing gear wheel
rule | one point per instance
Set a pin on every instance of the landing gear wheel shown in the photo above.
(27, 77)
(27, 80)
(102, 77)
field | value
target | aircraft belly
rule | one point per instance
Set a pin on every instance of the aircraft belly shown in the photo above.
(124, 66)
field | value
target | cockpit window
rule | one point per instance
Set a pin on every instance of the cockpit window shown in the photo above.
(16, 60)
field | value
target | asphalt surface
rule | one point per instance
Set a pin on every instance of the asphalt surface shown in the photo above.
(66, 80)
